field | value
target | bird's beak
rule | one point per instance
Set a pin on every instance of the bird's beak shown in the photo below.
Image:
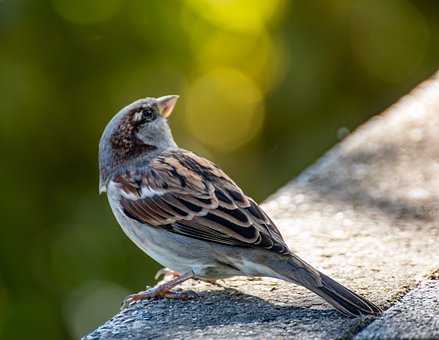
(166, 104)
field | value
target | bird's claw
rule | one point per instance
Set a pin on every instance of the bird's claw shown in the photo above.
(151, 294)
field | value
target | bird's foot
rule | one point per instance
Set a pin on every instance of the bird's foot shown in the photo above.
(161, 291)
(151, 294)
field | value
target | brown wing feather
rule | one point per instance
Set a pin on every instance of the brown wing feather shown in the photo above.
(197, 199)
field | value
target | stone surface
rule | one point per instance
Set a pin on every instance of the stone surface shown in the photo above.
(416, 316)
(367, 214)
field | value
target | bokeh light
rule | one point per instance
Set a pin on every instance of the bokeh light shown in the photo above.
(238, 15)
(224, 109)
(260, 56)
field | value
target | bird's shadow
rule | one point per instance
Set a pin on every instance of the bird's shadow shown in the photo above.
(212, 310)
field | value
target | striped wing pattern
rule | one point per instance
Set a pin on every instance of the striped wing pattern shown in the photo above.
(189, 195)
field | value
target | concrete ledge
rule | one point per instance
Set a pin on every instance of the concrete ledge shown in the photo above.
(416, 316)
(367, 213)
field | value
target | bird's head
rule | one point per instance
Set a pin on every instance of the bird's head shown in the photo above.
(139, 129)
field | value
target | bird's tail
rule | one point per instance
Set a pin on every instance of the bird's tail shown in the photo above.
(342, 298)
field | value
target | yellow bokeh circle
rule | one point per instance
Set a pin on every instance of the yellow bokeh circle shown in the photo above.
(237, 15)
(224, 109)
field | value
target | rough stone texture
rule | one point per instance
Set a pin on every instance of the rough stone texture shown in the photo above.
(366, 213)
(416, 316)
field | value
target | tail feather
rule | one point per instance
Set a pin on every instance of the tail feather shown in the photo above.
(342, 298)
(295, 270)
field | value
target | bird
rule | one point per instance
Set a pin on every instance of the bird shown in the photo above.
(188, 215)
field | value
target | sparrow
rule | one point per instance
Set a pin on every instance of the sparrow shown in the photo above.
(188, 215)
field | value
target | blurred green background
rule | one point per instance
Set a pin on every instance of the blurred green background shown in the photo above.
(266, 87)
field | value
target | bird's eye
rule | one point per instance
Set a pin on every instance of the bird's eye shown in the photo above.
(148, 114)
(144, 114)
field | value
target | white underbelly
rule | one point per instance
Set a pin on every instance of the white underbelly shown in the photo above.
(151, 242)
(164, 247)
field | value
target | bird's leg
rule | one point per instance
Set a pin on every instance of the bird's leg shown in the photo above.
(167, 274)
(160, 291)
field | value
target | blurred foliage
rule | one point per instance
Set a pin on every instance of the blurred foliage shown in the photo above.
(266, 87)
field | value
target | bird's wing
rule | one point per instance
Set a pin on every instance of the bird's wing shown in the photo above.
(189, 195)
